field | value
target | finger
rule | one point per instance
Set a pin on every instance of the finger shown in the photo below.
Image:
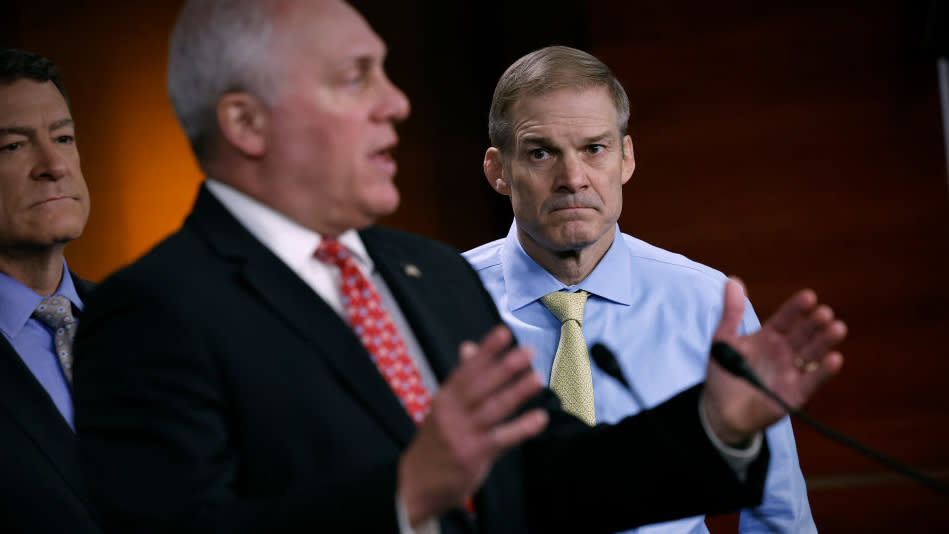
(497, 339)
(518, 430)
(792, 310)
(506, 400)
(460, 379)
(822, 342)
(828, 366)
(475, 357)
(805, 330)
(495, 342)
(497, 377)
(733, 307)
(479, 383)
(467, 350)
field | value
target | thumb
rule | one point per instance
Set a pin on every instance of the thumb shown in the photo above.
(733, 308)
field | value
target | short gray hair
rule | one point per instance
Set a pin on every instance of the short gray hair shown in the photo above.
(217, 47)
(544, 71)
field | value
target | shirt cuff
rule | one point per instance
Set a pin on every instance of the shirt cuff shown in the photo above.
(428, 527)
(738, 459)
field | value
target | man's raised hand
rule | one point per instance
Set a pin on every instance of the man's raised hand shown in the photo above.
(792, 354)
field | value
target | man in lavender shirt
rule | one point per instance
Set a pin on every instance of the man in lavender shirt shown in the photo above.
(44, 204)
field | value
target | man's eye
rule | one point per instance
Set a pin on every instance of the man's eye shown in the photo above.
(65, 139)
(355, 77)
(10, 147)
(539, 153)
(595, 149)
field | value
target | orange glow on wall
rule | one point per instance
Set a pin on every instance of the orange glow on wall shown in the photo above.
(141, 175)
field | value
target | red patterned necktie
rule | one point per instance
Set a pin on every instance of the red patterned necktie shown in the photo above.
(374, 327)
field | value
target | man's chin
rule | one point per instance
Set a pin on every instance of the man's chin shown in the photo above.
(559, 243)
(377, 211)
(574, 241)
(386, 203)
(64, 237)
(574, 237)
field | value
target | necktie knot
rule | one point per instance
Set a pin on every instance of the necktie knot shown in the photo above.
(55, 312)
(566, 306)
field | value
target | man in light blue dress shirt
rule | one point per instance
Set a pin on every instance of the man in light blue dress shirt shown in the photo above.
(560, 152)
(44, 204)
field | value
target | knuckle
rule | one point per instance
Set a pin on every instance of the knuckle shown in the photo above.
(489, 407)
(514, 361)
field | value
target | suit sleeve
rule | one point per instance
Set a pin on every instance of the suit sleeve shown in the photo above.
(651, 467)
(156, 437)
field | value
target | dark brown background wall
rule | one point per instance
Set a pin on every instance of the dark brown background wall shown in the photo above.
(790, 143)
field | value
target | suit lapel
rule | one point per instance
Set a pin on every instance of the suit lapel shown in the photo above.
(413, 289)
(281, 290)
(83, 287)
(30, 408)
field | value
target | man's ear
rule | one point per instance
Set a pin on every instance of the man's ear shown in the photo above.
(494, 171)
(629, 160)
(242, 119)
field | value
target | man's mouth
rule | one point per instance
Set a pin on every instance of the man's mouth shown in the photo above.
(53, 199)
(570, 208)
(383, 159)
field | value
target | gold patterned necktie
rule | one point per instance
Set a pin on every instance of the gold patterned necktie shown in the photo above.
(571, 377)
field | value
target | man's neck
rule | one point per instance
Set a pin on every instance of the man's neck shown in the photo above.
(570, 266)
(41, 271)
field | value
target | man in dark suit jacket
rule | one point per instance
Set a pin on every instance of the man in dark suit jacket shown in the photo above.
(227, 381)
(44, 204)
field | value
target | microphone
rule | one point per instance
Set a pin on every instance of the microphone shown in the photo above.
(606, 361)
(733, 362)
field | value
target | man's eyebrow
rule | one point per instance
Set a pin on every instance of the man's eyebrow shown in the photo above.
(535, 140)
(29, 130)
(605, 136)
(61, 123)
(16, 130)
(544, 141)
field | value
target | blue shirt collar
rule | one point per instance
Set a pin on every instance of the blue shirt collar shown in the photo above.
(17, 301)
(526, 281)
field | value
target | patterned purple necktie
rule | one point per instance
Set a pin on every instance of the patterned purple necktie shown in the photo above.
(56, 312)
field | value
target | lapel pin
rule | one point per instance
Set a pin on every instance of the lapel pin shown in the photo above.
(412, 271)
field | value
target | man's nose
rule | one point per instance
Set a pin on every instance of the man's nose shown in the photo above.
(394, 105)
(573, 174)
(49, 162)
